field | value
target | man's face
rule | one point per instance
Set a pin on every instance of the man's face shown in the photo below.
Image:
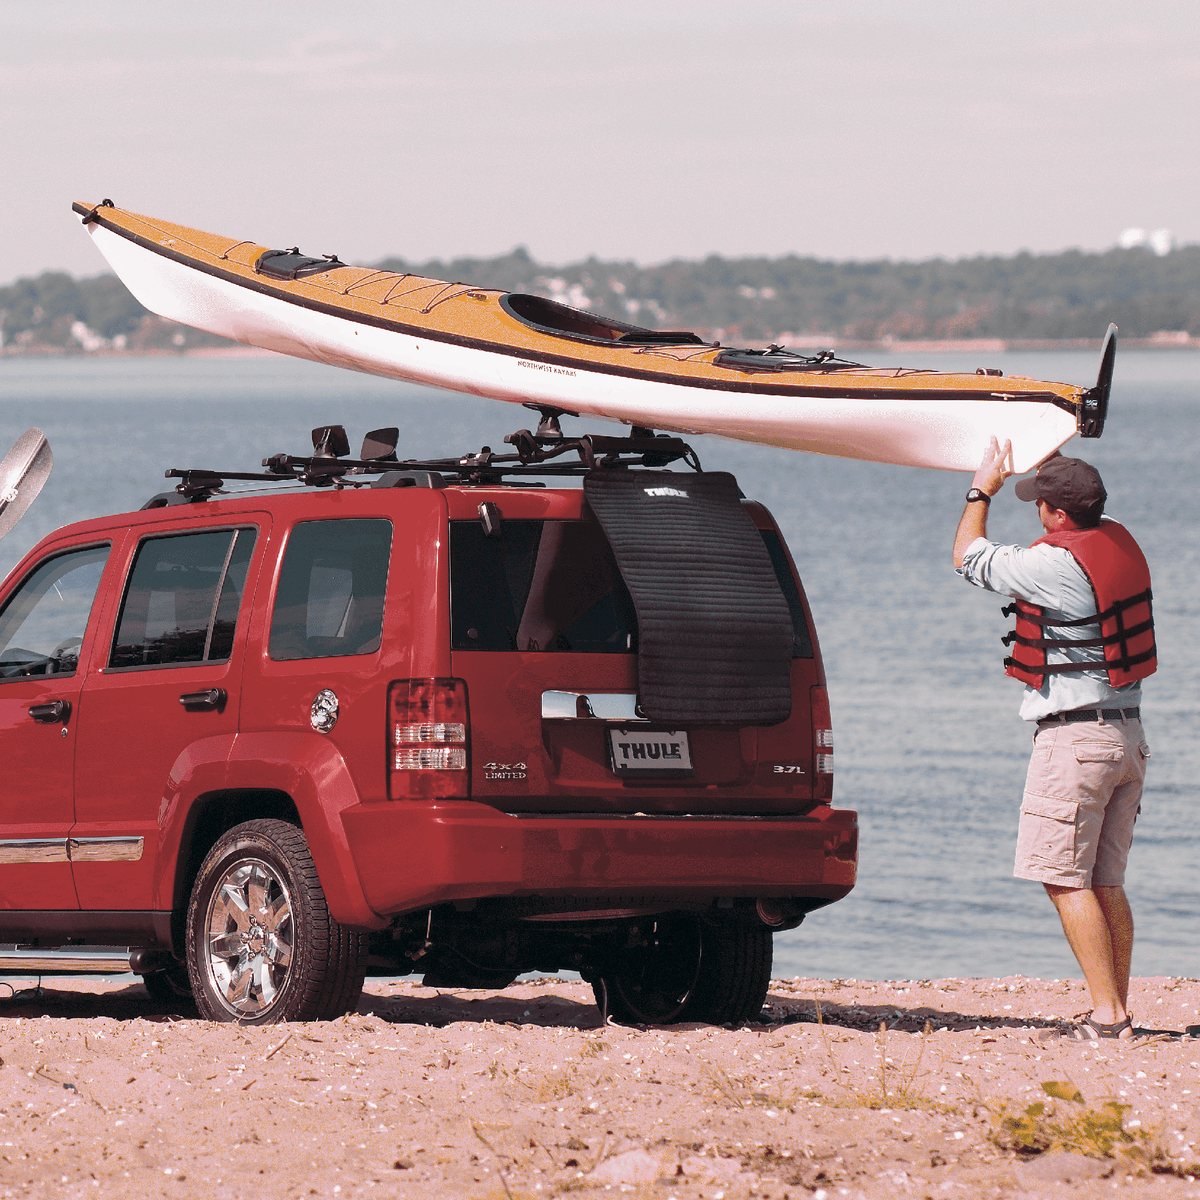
(1053, 519)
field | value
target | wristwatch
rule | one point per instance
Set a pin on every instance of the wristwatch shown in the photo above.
(975, 494)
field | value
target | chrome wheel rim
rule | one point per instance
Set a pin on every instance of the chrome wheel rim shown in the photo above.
(249, 933)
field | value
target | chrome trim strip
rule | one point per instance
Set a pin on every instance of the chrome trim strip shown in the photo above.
(33, 850)
(61, 850)
(105, 849)
(591, 706)
(50, 962)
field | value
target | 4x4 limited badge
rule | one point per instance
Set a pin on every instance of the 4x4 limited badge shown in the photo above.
(495, 770)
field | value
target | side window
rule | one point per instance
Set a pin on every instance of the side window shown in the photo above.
(331, 590)
(182, 599)
(42, 626)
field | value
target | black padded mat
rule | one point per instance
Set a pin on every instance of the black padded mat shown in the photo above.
(714, 631)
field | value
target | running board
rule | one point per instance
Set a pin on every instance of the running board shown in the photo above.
(54, 962)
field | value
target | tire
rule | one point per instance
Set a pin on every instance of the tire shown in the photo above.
(261, 945)
(735, 973)
(654, 984)
(690, 970)
(171, 988)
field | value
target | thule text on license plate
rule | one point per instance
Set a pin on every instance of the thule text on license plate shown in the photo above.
(646, 752)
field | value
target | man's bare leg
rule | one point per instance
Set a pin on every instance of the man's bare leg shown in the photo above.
(1119, 918)
(1099, 928)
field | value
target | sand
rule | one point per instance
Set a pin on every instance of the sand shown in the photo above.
(523, 1093)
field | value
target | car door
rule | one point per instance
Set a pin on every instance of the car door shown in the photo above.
(158, 710)
(44, 637)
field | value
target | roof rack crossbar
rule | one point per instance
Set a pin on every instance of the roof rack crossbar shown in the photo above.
(544, 452)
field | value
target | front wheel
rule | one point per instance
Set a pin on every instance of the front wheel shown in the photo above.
(261, 945)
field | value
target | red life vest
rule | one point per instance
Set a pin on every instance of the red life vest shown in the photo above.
(1120, 579)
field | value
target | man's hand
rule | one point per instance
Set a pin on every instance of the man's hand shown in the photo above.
(989, 479)
(994, 469)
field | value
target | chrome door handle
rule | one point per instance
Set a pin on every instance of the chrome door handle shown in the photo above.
(47, 714)
(206, 701)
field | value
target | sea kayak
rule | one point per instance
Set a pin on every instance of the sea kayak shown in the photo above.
(528, 349)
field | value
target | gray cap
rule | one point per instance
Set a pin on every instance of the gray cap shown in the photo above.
(1066, 483)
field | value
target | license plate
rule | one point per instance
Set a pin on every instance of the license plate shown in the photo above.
(642, 753)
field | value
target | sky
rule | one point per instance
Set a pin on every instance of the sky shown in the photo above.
(651, 130)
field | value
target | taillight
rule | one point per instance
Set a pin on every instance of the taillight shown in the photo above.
(822, 727)
(428, 726)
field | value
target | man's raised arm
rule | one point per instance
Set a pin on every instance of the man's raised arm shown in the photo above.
(987, 481)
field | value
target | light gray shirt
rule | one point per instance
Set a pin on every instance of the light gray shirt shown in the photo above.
(1050, 577)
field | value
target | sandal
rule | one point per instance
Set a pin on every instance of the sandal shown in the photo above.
(1088, 1030)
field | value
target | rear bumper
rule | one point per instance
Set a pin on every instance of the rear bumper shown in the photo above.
(412, 856)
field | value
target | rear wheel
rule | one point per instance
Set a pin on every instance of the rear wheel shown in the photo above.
(653, 983)
(261, 945)
(735, 973)
(689, 969)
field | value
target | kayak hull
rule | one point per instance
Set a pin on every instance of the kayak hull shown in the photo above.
(920, 419)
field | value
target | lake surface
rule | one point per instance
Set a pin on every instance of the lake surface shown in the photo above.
(929, 747)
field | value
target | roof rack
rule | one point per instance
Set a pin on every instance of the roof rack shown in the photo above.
(545, 451)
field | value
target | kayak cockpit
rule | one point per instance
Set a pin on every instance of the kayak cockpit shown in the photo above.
(561, 320)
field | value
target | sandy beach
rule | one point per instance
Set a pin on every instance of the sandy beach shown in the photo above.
(845, 1089)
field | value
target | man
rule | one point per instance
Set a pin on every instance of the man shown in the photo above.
(1084, 641)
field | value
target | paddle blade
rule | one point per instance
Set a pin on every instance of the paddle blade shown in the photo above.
(25, 468)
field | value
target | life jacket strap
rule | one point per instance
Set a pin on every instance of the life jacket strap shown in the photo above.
(1113, 610)
(1111, 639)
(1122, 664)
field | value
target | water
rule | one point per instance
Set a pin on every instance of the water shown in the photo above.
(929, 748)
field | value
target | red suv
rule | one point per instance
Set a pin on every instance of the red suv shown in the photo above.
(439, 718)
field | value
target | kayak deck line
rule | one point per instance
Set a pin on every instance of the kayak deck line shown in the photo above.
(519, 348)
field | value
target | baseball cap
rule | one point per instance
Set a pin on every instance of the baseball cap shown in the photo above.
(1066, 483)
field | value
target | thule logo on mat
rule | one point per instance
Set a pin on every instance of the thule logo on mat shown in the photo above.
(665, 491)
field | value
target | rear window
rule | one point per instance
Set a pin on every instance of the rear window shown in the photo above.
(540, 585)
(554, 586)
(331, 590)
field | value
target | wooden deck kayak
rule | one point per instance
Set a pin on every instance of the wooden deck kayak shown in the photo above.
(525, 348)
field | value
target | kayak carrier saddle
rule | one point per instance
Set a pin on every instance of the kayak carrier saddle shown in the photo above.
(544, 451)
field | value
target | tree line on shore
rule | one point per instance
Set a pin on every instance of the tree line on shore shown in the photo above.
(1068, 295)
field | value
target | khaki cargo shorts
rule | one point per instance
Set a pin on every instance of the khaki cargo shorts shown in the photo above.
(1082, 796)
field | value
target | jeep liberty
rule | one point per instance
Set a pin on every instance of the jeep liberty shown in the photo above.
(449, 718)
